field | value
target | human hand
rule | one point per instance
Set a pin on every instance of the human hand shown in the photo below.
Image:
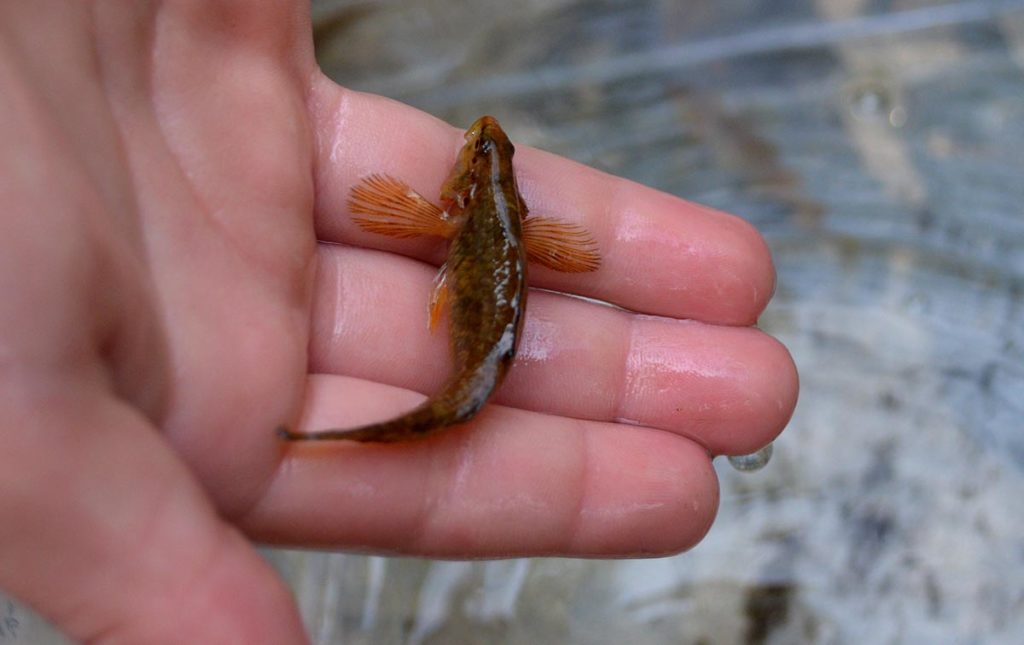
(166, 306)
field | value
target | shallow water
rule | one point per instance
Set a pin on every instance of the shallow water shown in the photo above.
(879, 146)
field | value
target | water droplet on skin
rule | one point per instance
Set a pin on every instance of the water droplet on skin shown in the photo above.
(753, 461)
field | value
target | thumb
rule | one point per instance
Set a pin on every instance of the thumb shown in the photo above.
(104, 531)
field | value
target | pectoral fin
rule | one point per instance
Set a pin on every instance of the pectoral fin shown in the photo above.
(387, 206)
(438, 297)
(560, 246)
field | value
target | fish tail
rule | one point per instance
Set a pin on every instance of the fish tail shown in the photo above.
(456, 403)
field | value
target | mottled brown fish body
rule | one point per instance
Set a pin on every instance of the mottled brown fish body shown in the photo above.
(486, 278)
(483, 281)
(486, 289)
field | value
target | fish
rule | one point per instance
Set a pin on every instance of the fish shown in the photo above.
(482, 283)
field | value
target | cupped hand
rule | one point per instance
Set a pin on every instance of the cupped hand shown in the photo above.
(179, 276)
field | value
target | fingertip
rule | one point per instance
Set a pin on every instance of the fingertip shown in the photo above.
(648, 493)
(671, 257)
(773, 376)
(730, 389)
(750, 259)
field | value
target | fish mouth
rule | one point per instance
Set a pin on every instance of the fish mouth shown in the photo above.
(484, 124)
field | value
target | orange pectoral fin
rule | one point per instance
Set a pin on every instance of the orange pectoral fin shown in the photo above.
(390, 207)
(560, 246)
(438, 297)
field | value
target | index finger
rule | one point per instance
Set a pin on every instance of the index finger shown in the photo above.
(660, 254)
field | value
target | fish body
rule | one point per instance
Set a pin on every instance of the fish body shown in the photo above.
(483, 281)
(486, 275)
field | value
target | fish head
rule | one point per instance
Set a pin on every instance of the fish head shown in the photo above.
(474, 160)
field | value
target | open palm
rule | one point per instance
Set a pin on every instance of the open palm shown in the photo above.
(179, 276)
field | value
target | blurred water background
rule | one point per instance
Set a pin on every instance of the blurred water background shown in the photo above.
(879, 147)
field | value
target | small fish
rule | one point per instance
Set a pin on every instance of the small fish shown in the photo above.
(482, 282)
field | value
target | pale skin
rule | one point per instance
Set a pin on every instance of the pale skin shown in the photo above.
(179, 276)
